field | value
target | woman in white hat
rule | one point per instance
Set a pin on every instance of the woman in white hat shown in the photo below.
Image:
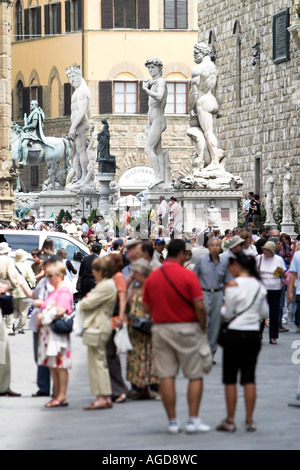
(20, 300)
(271, 269)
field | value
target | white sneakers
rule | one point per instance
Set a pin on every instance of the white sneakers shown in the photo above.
(193, 425)
(174, 426)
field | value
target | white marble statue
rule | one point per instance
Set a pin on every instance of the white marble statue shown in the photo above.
(270, 197)
(213, 214)
(204, 103)
(157, 92)
(286, 198)
(80, 124)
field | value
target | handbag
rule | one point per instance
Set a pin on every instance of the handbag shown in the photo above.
(224, 326)
(143, 325)
(63, 325)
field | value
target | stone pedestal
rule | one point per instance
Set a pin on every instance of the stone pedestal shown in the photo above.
(199, 206)
(289, 228)
(78, 205)
(105, 192)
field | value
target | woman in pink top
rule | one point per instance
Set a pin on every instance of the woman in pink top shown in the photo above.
(54, 350)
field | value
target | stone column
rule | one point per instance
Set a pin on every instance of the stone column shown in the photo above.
(7, 177)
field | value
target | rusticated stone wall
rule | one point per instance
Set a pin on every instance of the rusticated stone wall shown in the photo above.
(259, 123)
(7, 200)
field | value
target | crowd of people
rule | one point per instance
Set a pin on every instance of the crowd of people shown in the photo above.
(179, 299)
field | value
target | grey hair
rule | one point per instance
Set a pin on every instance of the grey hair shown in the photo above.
(154, 61)
(142, 266)
(202, 47)
(212, 239)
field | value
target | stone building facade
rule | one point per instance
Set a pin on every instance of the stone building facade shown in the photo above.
(7, 178)
(259, 119)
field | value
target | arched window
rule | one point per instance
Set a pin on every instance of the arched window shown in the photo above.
(54, 97)
(19, 21)
(19, 110)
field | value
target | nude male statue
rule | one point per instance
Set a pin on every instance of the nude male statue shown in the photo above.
(204, 105)
(157, 91)
(80, 115)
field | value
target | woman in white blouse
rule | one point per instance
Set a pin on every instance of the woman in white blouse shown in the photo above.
(271, 268)
(244, 308)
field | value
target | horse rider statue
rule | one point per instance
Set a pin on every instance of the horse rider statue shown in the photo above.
(32, 131)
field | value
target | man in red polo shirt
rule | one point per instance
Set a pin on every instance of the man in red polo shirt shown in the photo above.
(174, 298)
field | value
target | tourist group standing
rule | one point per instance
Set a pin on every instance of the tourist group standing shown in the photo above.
(175, 301)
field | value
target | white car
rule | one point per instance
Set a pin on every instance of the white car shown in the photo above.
(31, 239)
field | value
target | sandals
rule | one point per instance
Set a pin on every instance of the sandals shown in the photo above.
(273, 341)
(55, 403)
(226, 426)
(250, 427)
(121, 398)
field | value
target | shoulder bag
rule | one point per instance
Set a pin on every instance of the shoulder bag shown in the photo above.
(175, 288)
(225, 324)
(63, 325)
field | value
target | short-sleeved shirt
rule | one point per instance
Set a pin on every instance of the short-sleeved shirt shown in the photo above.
(266, 268)
(166, 305)
(62, 298)
(212, 274)
(295, 268)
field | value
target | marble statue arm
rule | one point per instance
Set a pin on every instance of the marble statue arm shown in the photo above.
(32, 125)
(159, 93)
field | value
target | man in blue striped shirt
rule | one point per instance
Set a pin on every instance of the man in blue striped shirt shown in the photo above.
(213, 274)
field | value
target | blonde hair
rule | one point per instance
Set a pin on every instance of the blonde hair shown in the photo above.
(57, 268)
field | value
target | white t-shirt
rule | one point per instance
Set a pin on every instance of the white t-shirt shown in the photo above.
(266, 268)
(250, 293)
(250, 251)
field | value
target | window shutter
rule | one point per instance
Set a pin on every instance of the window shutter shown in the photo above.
(107, 14)
(58, 18)
(143, 100)
(67, 99)
(105, 97)
(80, 14)
(143, 14)
(39, 20)
(181, 14)
(169, 14)
(68, 16)
(47, 18)
(26, 101)
(26, 23)
(40, 96)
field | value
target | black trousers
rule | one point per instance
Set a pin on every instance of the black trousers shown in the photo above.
(274, 304)
(297, 313)
(114, 366)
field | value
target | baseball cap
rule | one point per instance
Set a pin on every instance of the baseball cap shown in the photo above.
(159, 240)
(118, 242)
(50, 258)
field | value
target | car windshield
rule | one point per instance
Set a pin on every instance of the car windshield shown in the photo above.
(18, 240)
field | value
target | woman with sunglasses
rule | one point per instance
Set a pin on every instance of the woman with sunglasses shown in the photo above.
(54, 351)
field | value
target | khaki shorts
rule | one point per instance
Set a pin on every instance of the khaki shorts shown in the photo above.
(177, 345)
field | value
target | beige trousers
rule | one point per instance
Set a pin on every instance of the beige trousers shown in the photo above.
(5, 371)
(98, 370)
(21, 307)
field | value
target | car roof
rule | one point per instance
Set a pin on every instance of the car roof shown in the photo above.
(43, 235)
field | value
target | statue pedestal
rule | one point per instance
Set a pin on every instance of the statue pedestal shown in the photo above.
(78, 205)
(105, 192)
(289, 228)
(199, 206)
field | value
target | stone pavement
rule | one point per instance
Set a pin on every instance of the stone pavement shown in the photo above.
(142, 425)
